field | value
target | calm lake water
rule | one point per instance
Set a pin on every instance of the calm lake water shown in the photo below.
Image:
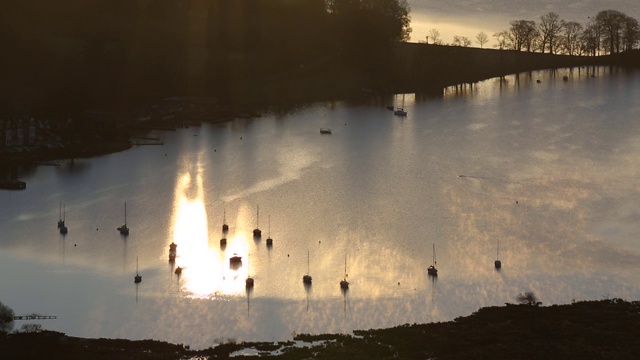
(549, 169)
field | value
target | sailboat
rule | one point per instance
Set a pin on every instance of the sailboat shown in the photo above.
(256, 231)
(344, 284)
(400, 111)
(173, 251)
(138, 278)
(432, 270)
(225, 227)
(63, 227)
(307, 278)
(60, 222)
(249, 281)
(498, 263)
(269, 239)
(124, 230)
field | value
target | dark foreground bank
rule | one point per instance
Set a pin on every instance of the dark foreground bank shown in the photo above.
(606, 329)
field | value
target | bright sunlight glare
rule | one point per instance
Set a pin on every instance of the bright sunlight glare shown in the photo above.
(206, 271)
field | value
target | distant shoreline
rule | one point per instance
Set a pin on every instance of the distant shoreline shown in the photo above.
(417, 68)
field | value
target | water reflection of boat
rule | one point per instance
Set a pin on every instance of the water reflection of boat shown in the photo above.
(138, 278)
(344, 284)
(498, 263)
(124, 229)
(432, 270)
(257, 232)
(173, 252)
(307, 278)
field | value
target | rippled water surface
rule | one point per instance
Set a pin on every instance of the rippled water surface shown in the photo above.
(549, 170)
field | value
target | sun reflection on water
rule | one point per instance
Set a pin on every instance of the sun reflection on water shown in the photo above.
(206, 272)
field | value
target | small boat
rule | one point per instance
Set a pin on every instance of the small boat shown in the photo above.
(225, 227)
(344, 284)
(235, 260)
(498, 263)
(138, 278)
(223, 241)
(63, 228)
(173, 252)
(257, 232)
(400, 111)
(124, 230)
(249, 281)
(13, 185)
(178, 271)
(432, 270)
(307, 278)
(269, 239)
(326, 131)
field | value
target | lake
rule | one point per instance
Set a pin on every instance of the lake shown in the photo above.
(546, 169)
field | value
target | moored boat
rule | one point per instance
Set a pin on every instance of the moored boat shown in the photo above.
(124, 229)
(432, 270)
(173, 251)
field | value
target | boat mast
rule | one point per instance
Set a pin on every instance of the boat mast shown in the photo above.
(345, 266)
(434, 255)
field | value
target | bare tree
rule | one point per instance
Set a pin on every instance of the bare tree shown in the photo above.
(590, 39)
(571, 37)
(528, 298)
(6, 319)
(550, 27)
(461, 41)
(435, 36)
(503, 39)
(523, 33)
(611, 23)
(482, 38)
(630, 33)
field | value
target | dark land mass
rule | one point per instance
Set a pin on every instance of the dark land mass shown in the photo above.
(606, 329)
(404, 67)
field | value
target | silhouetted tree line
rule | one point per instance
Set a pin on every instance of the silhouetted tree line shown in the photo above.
(609, 32)
(78, 54)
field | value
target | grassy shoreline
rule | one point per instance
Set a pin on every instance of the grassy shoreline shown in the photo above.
(604, 329)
